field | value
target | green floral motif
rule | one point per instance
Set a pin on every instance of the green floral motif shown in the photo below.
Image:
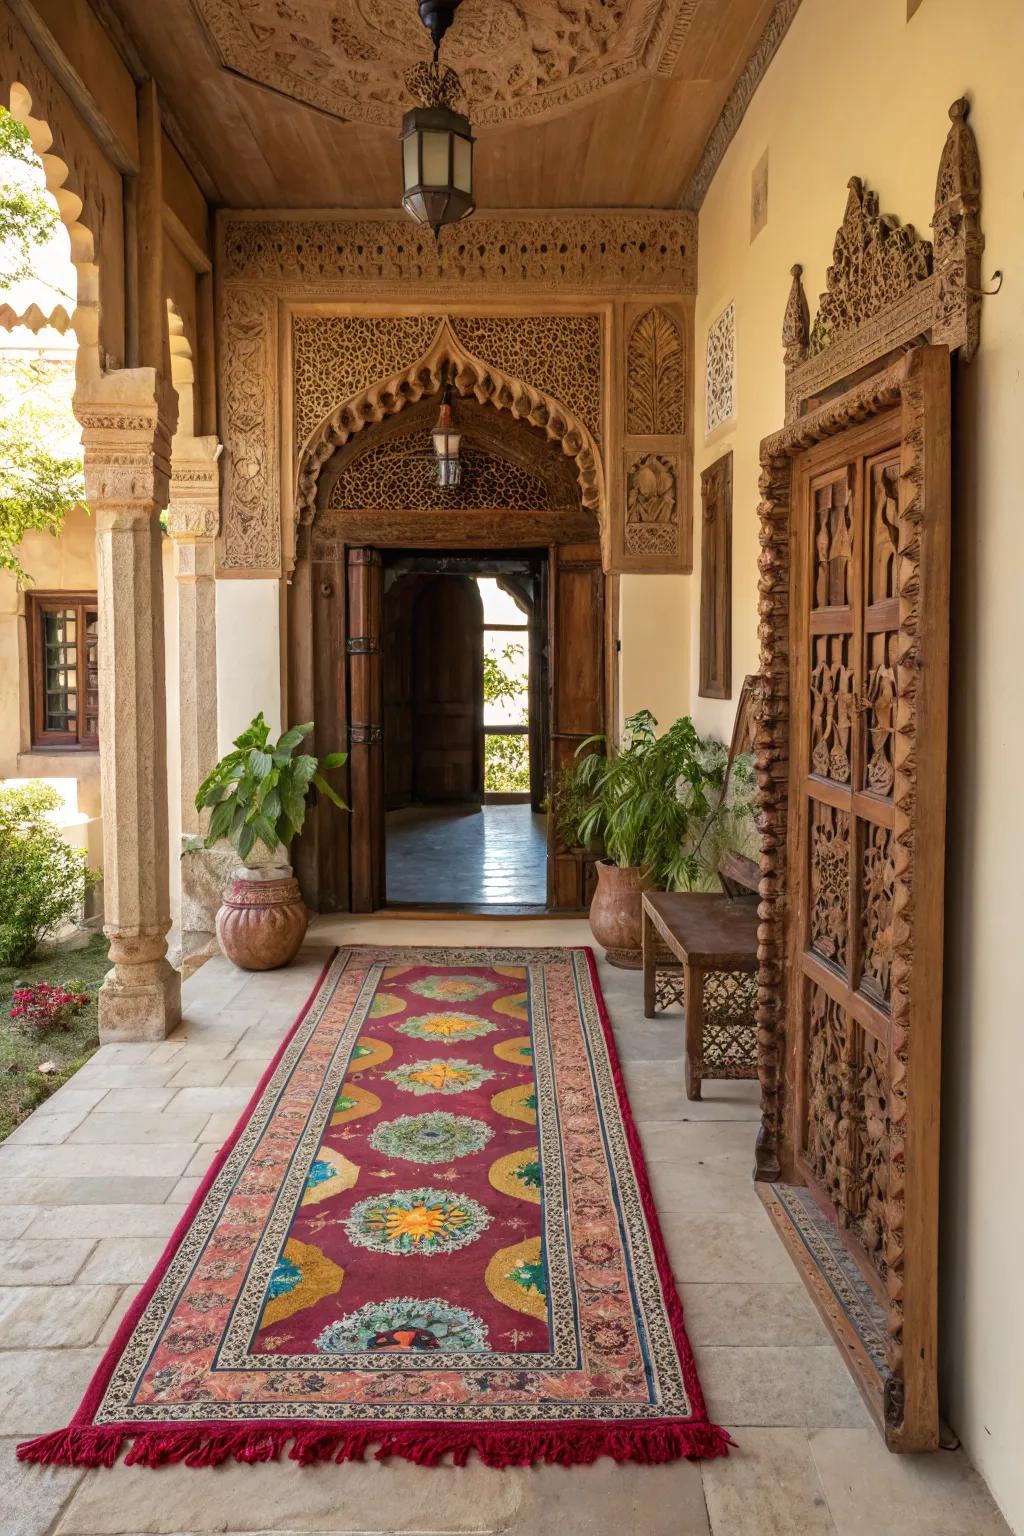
(445, 988)
(421, 1221)
(446, 1028)
(529, 1277)
(454, 1075)
(435, 1137)
(528, 1173)
(405, 1323)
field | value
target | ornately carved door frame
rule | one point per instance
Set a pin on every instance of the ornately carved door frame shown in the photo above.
(888, 291)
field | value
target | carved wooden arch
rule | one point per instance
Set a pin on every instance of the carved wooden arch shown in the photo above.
(85, 321)
(887, 287)
(471, 376)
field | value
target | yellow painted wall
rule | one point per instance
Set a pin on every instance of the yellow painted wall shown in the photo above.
(654, 629)
(859, 90)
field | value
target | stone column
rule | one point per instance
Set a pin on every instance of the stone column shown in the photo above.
(193, 522)
(126, 444)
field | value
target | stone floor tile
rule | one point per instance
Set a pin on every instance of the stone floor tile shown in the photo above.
(703, 1187)
(51, 1317)
(120, 1075)
(751, 1314)
(32, 1498)
(69, 1097)
(125, 1296)
(122, 1260)
(219, 1127)
(148, 1128)
(135, 1101)
(610, 1497)
(132, 1053)
(726, 1246)
(183, 1191)
(67, 1161)
(246, 1072)
(34, 1261)
(659, 1086)
(41, 1388)
(46, 1131)
(261, 1045)
(87, 1190)
(14, 1219)
(66, 1221)
(201, 1072)
(870, 1490)
(202, 1157)
(168, 1051)
(768, 1486)
(364, 1497)
(706, 1142)
(210, 1101)
(805, 1387)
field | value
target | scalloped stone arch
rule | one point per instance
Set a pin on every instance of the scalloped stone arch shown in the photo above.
(85, 322)
(182, 370)
(472, 376)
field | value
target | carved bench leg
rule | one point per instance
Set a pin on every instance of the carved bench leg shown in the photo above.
(650, 945)
(693, 1060)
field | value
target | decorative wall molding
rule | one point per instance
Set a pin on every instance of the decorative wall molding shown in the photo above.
(593, 252)
(517, 59)
(655, 375)
(887, 286)
(652, 504)
(322, 315)
(737, 102)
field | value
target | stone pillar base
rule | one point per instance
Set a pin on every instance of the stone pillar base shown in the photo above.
(144, 1010)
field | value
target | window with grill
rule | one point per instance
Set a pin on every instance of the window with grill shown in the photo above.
(63, 669)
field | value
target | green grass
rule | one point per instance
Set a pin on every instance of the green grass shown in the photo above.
(22, 1050)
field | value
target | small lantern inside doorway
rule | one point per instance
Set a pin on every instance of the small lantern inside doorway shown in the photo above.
(437, 142)
(447, 438)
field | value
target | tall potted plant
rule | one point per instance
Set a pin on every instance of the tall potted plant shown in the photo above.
(257, 796)
(640, 815)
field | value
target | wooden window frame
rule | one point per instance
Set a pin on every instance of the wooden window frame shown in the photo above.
(42, 740)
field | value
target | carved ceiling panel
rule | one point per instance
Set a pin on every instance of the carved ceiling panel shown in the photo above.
(516, 58)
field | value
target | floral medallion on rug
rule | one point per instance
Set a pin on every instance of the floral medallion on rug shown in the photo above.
(431, 1232)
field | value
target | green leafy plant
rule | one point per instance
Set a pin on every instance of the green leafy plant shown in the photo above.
(261, 790)
(506, 757)
(43, 880)
(571, 802)
(28, 217)
(646, 796)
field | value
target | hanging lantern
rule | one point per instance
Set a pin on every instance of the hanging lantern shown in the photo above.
(437, 142)
(447, 438)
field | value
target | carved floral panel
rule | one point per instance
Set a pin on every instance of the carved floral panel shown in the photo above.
(833, 542)
(831, 706)
(652, 509)
(830, 883)
(655, 376)
(833, 1092)
(720, 371)
(515, 58)
(878, 895)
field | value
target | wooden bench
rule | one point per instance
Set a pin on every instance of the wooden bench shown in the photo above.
(711, 938)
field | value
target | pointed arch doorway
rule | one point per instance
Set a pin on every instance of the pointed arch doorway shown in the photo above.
(377, 510)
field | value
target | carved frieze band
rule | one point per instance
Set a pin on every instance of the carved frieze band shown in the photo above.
(887, 286)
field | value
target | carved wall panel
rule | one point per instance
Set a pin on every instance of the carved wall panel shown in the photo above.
(360, 362)
(652, 505)
(655, 376)
(515, 58)
(877, 913)
(831, 706)
(402, 476)
(830, 882)
(833, 1073)
(716, 580)
(720, 371)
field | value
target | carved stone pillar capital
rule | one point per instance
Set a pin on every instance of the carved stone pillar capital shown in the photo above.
(194, 509)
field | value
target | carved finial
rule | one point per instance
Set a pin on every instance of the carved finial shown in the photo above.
(796, 321)
(958, 238)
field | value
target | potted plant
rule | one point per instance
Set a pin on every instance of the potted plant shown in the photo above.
(643, 797)
(258, 796)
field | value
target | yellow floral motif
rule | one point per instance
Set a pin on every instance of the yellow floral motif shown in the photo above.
(452, 989)
(438, 1073)
(320, 1277)
(513, 1007)
(516, 1262)
(518, 1050)
(353, 1103)
(446, 1026)
(517, 1103)
(385, 1005)
(369, 1052)
(421, 1221)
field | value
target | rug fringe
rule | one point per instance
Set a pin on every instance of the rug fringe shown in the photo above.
(500, 1445)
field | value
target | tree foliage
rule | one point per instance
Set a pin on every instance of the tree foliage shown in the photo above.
(506, 758)
(43, 880)
(40, 482)
(28, 218)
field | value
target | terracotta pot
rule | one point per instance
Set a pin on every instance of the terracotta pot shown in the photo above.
(616, 913)
(263, 919)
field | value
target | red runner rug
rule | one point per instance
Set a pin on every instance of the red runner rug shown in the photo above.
(431, 1232)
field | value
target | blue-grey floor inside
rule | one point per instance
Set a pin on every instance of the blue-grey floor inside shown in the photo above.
(451, 856)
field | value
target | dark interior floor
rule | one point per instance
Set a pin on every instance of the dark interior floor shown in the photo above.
(450, 856)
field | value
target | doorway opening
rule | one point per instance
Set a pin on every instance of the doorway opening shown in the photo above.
(466, 730)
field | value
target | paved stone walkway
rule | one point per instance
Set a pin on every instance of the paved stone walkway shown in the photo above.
(446, 855)
(94, 1182)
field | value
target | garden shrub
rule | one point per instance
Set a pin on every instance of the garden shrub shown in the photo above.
(43, 880)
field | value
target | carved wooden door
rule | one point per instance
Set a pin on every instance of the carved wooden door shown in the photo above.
(869, 649)
(366, 759)
(576, 638)
(448, 692)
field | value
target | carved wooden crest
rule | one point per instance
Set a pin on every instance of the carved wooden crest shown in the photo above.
(887, 286)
